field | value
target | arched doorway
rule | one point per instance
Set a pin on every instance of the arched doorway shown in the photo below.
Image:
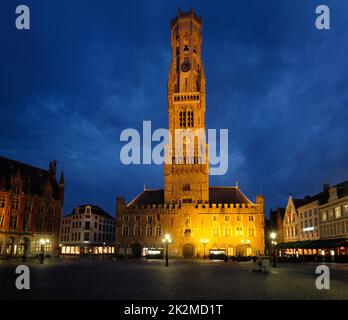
(187, 250)
(136, 250)
(240, 251)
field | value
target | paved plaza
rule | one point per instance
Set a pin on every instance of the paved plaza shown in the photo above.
(74, 278)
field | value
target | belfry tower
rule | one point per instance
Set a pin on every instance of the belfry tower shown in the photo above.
(186, 169)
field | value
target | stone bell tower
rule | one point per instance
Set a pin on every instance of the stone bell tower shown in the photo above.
(186, 168)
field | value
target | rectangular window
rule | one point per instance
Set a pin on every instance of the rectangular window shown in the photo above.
(15, 204)
(149, 231)
(158, 231)
(2, 202)
(323, 216)
(13, 221)
(251, 218)
(87, 225)
(227, 231)
(330, 214)
(86, 236)
(338, 212)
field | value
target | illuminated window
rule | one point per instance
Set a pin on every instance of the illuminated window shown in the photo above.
(125, 231)
(330, 213)
(149, 231)
(137, 231)
(338, 212)
(158, 231)
(239, 231)
(190, 120)
(182, 119)
(227, 231)
(215, 231)
(323, 216)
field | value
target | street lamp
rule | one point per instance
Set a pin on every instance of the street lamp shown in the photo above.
(273, 236)
(204, 242)
(167, 239)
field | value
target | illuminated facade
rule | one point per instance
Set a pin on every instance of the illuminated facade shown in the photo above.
(188, 208)
(31, 202)
(87, 230)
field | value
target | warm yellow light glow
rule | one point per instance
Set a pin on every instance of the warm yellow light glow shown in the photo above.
(273, 235)
(167, 238)
(42, 241)
(154, 252)
(242, 241)
(248, 241)
(204, 241)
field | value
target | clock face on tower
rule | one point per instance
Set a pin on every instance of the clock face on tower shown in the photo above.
(185, 66)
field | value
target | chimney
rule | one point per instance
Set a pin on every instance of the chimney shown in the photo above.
(326, 187)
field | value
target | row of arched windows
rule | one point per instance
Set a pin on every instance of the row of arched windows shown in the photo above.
(227, 231)
(150, 231)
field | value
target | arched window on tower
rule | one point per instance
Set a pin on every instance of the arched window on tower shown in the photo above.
(190, 119)
(182, 119)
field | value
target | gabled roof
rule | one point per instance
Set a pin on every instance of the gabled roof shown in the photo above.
(227, 195)
(33, 179)
(94, 209)
(217, 195)
(148, 197)
(323, 197)
(300, 202)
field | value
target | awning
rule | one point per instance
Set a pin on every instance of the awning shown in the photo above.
(314, 244)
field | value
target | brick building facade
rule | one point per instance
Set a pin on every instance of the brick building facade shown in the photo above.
(31, 201)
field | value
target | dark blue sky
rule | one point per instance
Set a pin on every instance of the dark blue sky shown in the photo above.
(88, 69)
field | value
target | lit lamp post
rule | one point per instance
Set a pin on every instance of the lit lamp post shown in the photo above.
(273, 242)
(166, 240)
(204, 242)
